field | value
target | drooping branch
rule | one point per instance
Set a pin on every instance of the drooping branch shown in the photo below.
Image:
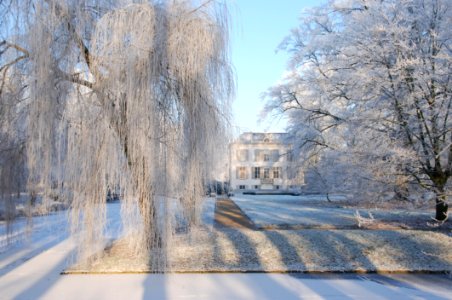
(157, 107)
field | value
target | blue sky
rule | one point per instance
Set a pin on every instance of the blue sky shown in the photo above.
(258, 27)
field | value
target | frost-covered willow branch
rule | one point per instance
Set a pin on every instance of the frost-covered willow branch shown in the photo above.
(128, 98)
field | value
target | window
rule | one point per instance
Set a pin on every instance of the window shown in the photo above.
(257, 173)
(242, 187)
(241, 173)
(266, 173)
(242, 155)
(276, 187)
(276, 172)
(262, 155)
(256, 187)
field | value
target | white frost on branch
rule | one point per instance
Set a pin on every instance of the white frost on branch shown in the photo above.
(130, 98)
(370, 93)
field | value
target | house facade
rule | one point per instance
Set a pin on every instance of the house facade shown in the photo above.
(261, 161)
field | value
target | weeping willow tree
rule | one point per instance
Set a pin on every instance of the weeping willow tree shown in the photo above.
(122, 96)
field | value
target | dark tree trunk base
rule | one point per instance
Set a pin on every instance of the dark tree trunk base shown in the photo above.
(441, 211)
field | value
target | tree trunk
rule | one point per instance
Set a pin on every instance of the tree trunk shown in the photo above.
(439, 180)
(441, 207)
(328, 197)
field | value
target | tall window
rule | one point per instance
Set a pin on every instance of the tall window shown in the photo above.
(266, 173)
(241, 172)
(257, 172)
(242, 155)
(266, 157)
(276, 172)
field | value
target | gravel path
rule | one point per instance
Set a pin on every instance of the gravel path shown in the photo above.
(229, 215)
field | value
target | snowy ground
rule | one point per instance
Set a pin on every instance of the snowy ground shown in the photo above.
(280, 211)
(208, 212)
(290, 198)
(244, 250)
(30, 269)
(45, 283)
(212, 249)
(29, 238)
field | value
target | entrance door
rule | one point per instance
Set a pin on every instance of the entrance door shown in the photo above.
(267, 187)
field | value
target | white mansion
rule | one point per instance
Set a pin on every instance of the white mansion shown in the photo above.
(261, 161)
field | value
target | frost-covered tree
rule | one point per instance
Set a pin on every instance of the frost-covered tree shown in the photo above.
(12, 152)
(371, 79)
(123, 95)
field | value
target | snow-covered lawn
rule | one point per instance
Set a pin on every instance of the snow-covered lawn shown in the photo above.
(244, 250)
(290, 198)
(208, 211)
(31, 270)
(275, 211)
(211, 249)
(29, 237)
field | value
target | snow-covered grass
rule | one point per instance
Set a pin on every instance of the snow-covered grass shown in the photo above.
(301, 211)
(290, 198)
(29, 237)
(42, 206)
(211, 249)
(208, 211)
(32, 270)
(243, 250)
(24, 230)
